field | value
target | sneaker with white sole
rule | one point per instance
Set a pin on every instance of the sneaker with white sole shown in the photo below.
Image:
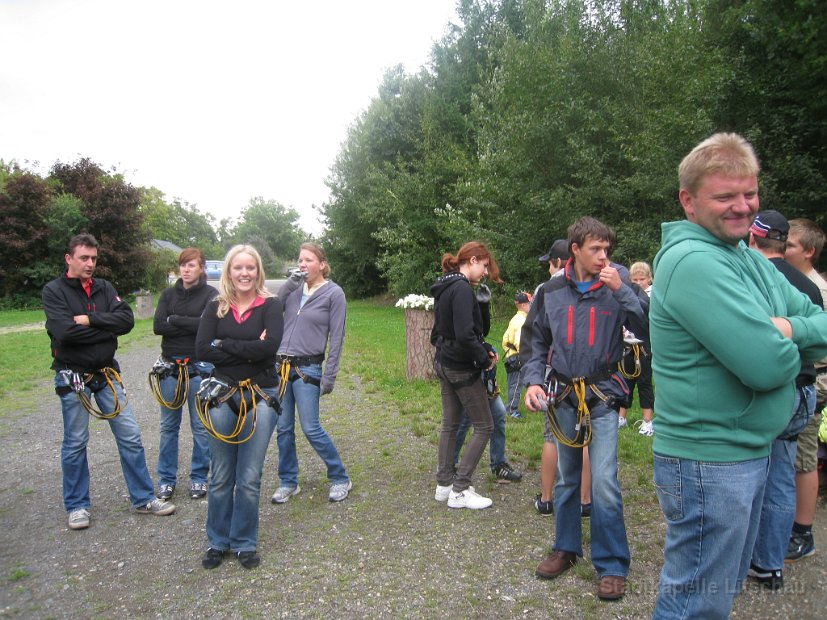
(198, 490)
(770, 579)
(282, 494)
(505, 473)
(165, 491)
(79, 519)
(441, 494)
(468, 498)
(339, 491)
(622, 422)
(157, 507)
(646, 428)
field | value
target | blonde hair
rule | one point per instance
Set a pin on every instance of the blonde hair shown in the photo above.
(810, 236)
(641, 268)
(722, 153)
(226, 287)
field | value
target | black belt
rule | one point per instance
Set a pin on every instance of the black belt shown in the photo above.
(600, 375)
(297, 360)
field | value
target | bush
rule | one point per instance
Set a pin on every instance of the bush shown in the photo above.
(24, 300)
(157, 271)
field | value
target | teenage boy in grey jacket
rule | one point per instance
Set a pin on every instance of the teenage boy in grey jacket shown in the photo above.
(577, 330)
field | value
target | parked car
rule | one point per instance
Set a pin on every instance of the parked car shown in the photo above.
(214, 268)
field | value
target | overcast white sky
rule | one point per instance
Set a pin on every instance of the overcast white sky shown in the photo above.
(211, 102)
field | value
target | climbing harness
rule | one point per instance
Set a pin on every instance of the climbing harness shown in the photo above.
(288, 363)
(77, 382)
(558, 388)
(633, 350)
(241, 397)
(163, 369)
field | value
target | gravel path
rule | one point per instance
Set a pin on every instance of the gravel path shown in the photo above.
(388, 551)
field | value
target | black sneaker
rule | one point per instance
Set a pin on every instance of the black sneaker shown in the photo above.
(248, 559)
(198, 490)
(213, 558)
(505, 473)
(585, 510)
(771, 579)
(544, 508)
(165, 491)
(801, 546)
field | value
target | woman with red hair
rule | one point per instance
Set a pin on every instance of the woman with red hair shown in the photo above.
(461, 356)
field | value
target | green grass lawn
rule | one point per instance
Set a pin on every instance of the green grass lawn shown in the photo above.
(21, 317)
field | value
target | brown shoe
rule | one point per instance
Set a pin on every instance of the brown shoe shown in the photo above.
(556, 564)
(611, 588)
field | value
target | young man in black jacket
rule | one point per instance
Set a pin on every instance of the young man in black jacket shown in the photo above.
(84, 318)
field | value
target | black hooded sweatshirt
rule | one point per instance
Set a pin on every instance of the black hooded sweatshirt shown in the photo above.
(178, 315)
(458, 324)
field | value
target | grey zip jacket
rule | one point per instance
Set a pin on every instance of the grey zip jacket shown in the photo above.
(318, 324)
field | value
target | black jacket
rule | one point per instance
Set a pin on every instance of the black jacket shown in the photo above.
(241, 352)
(78, 347)
(177, 316)
(458, 324)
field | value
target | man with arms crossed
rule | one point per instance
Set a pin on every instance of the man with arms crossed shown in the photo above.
(84, 318)
(728, 334)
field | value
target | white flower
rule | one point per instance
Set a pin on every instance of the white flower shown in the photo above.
(420, 302)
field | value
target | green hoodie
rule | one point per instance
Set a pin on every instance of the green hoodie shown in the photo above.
(724, 373)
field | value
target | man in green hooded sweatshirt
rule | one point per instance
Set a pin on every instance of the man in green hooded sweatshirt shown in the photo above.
(728, 335)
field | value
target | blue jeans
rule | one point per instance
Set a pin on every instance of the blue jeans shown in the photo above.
(515, 388)
(497, 446)
(778, 509)
(235, 481)
(305, 397)
(73, 459)
(609, 545)
(170, 425)
(712, 512)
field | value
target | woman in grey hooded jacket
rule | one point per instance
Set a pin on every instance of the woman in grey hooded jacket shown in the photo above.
(314, 320)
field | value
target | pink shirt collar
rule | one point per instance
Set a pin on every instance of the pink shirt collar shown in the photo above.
(259, 300)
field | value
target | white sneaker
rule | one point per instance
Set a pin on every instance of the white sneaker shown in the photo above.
(468, 498)
(282, 494)
(339, 491)
(646, 428)
(442, 493)
(621, 422)
(79, 519)
(157, 507)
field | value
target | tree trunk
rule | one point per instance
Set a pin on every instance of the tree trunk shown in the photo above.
(420, 351)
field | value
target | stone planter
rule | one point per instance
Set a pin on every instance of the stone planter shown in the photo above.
(144, 308)
(419, 363)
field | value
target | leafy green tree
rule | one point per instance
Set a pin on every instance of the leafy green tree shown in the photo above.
(273, 230)
(24, 204)
(64, 218)
(112, 208)
(776, 52)
(180, 223)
